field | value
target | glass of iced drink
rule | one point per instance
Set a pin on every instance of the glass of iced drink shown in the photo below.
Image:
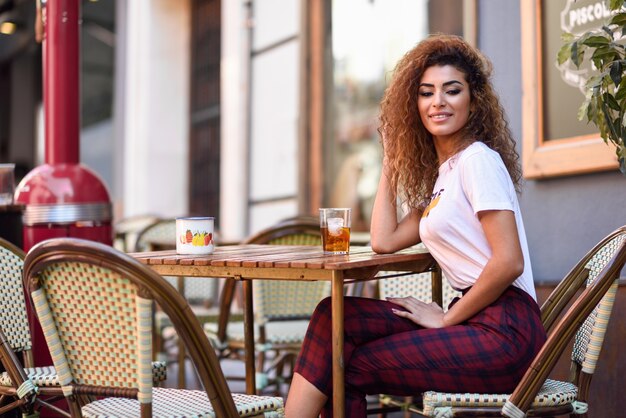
(335, 225)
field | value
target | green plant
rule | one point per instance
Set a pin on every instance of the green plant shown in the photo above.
(605, 101)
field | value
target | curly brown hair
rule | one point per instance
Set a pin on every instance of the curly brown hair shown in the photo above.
(411, 160)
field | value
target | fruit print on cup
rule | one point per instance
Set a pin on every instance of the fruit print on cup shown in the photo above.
(194, 235)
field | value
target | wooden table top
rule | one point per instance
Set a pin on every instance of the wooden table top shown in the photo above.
(282, 256)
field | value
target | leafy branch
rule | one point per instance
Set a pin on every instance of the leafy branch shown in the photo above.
(605, 99)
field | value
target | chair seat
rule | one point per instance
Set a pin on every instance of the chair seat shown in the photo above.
(40, 376)
(163, 323)
(552, 393)
(47, 376)
(282, 332)
(184, 403)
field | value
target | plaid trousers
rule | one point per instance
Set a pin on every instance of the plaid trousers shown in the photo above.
(384, 353)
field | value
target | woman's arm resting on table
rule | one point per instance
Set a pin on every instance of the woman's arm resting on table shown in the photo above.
(505, 265)
(387, 234)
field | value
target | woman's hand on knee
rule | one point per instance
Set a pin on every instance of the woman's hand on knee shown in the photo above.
(428, 315)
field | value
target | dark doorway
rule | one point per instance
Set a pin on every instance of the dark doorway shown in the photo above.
(204, 149)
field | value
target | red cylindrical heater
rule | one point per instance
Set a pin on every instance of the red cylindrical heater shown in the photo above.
(62, 198)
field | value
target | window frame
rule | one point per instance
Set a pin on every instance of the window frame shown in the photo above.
(544, 157)
(316, 87)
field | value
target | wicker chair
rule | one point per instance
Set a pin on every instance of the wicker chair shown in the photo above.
(568, 313)
(19, 386)
(16, 340)
(282, 309)
(127, 229)
(95, 306)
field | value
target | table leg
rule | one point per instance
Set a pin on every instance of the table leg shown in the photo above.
(248, 325)
(339, 396)
(182, 378)
(437, 285)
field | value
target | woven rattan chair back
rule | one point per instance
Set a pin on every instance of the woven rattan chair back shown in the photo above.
(95, 304)
(127, 229)
(282, 299)
(16, 389)
(161, 232)
(418, 285)
(590, 336)
(581, 275)
(161, 235)
(13, 318)
(275, 301)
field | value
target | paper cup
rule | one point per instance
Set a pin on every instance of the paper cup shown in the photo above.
(194, 235)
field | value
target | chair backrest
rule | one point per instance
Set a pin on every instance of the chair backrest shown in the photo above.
(161, 234)
(581, 275)
(586, 319)
(127, 229)
(281, 299)
(162, 231)
(590, 336)
(13, 317)
(418, 285)
(95, 306)
(14, 328)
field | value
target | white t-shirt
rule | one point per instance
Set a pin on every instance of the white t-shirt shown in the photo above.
(474, 180)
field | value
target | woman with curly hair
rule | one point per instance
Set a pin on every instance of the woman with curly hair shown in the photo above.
(449, 156)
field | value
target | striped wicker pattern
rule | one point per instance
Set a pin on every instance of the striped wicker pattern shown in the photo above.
(590, 336)
(47, 376)
(164, 231)
(82, 295)
(281, 307)
(160, 231)
(13, 318)
(552, 393)
(127, 229)
(284, 332)
(182, 404)
(416, 285)
(40, 376)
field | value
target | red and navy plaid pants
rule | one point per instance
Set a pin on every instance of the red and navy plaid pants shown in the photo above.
(384, 353)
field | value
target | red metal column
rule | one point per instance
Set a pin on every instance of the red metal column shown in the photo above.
(61, 81)
(62, 197)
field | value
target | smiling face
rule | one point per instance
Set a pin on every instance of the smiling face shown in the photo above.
(444, 102)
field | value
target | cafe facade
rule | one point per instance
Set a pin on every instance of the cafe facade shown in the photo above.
(257, 110)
